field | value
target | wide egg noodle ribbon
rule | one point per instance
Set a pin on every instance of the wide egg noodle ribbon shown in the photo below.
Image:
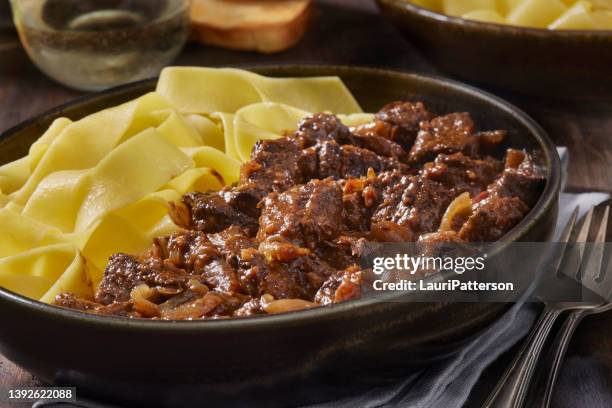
(224, 165)
(83, 144)
(226, 121)
(176, 129)
(39, 148)
(73, 200)
(15, 174)
(43, 272)
(19, 233)
(209, 90)
(210, 132)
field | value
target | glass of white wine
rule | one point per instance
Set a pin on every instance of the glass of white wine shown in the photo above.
(97, 44)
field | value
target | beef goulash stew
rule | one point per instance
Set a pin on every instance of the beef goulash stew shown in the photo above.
(288, 236)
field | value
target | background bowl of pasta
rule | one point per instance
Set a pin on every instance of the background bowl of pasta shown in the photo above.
(507, 45)
(279, 359)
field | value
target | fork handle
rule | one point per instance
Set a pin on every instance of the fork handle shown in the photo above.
(554, 358)
(510, 392)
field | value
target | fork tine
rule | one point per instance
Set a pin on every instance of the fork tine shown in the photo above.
(574, 247)
(593, 276)
(583, 235)
(564, 239)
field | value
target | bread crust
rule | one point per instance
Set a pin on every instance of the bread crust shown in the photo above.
(252, 35)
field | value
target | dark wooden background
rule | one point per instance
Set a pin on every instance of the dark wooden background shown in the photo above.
(343, 32)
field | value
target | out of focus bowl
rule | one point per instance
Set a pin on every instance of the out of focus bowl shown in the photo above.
(561, 64)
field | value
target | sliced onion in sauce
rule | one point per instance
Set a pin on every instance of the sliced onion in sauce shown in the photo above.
(140, 296)
(459, 207)
(287, 305)
(193, 310)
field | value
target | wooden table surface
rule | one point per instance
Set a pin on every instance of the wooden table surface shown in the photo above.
(343, 32)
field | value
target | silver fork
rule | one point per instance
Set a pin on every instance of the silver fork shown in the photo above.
(596, 279)
(512, 389)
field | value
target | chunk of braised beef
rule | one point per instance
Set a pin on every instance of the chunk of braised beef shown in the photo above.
(305, 214)
(232, 241)
(381, 146)
(193, 252)
(343, 162)
(71, 301)
(238, 249)
(360, 198)
(298, 278)
(124, 272)
(251, 308)
(215, 211)
(274, 165)
(412, 206)
(429, 200)
(492, 218)
(189, 250)
(400, 122)
(521, 178)
(340, 287)
(220, 276)
(445, 134)
(490, 141)
(463, 173)
(342, 252)
(322, 127)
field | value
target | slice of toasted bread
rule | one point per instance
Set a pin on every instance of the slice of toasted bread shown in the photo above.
(266, 26)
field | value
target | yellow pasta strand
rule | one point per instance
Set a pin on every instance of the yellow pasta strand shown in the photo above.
(227, 167)
(82, 144)
(74, 279)
(19, 233)
(14, 175)
(33, 273)
(210, 132)
(176, 130)
(73, 200)
(39, 148)
(209, 90)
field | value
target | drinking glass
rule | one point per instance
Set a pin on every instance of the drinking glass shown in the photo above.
(97, 44)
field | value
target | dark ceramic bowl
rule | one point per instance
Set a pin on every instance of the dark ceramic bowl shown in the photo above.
(561, 64)
(275, 360)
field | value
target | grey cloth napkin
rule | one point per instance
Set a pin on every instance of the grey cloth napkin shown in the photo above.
(448, 384)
